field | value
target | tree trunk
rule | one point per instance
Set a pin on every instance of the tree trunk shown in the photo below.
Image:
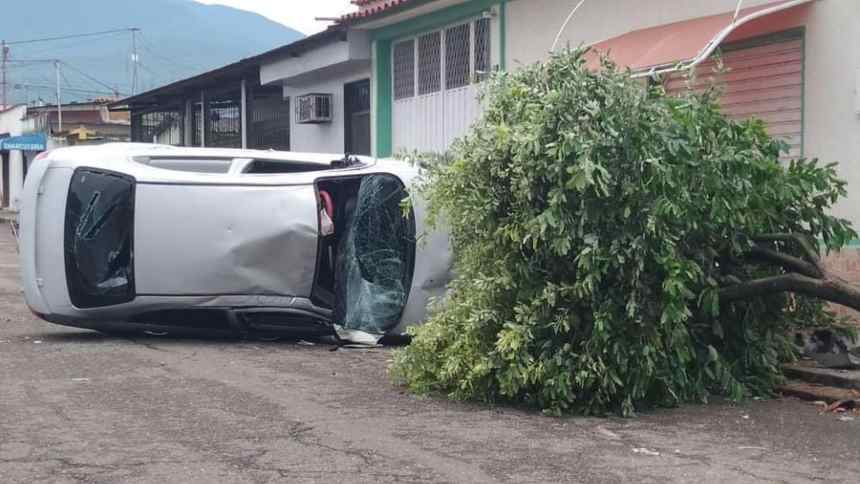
(835, 291)
(807, 277)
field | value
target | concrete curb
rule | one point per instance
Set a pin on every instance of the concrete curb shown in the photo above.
(848, 379)
(814, 392)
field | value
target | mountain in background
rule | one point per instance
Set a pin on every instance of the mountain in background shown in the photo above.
(178, 38)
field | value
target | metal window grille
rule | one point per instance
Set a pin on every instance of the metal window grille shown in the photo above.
(458, 48)
(360, 101)
(270, 122)
(430, 63)
(196, 125)
(404, 69)
(482, 49)
(163, 126)
(225, 123)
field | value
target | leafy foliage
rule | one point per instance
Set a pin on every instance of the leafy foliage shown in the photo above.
(594, 220)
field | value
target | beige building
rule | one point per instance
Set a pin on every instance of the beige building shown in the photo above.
(793, 63)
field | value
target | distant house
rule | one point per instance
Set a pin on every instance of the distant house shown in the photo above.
(223, 108)
(26, 131)
(327, 79)
(312, 95)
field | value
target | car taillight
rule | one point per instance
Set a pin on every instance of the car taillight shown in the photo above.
(41, 155)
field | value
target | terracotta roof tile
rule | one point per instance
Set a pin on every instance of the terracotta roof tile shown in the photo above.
(371, 8)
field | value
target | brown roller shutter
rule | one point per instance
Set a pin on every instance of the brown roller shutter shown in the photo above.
(763, 78)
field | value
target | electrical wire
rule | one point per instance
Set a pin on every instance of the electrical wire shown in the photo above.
(34, 62)
(145, 45)
(737, 10)
(564, 25)
(88, 77)
(52, 88)
(72, 36)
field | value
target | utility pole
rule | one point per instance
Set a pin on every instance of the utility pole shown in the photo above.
(134, 60)
(5, 54)
(59, 99)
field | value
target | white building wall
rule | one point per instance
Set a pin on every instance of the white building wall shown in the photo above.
(832, 78)
(328, 137)
(533, 24)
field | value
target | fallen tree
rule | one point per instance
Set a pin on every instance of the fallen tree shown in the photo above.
(617, 248)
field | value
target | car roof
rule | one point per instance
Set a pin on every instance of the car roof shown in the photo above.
(126, 150)
(129, 158)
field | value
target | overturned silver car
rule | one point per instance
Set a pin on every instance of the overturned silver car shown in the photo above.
(145, 237)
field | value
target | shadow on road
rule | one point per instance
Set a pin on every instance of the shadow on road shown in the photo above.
(200, 338)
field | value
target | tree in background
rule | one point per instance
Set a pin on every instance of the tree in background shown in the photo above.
(617, 248)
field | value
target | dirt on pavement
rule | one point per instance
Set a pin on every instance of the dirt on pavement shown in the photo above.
(79, 406)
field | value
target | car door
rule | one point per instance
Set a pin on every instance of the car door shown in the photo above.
(225, 239)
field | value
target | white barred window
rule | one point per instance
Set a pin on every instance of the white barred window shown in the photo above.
(458, 48)
(430, 63)
(450, 58)
(404, 69)
(482, 49)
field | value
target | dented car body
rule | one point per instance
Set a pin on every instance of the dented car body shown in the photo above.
(146, 237)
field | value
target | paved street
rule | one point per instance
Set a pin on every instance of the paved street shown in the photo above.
(78, 406)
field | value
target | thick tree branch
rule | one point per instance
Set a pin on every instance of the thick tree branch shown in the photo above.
(809, 250)
(827, 289)
(789, 262)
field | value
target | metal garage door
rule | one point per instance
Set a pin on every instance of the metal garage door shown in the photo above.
(763, 79)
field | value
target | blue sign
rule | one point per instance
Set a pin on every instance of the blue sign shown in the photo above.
(28, 142)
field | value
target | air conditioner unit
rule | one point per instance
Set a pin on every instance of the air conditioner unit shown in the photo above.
(314, 109)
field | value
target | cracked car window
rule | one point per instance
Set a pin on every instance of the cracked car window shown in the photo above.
(98, 238)
(376, 258)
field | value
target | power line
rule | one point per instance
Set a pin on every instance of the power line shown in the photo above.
(87, 76)
(33, 62)
(29, 61)
(17, 85)
(65, 79)
(73, 36)
(144, 43)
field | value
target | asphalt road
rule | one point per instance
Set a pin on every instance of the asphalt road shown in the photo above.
(78, 406)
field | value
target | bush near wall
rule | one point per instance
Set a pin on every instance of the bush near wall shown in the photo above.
(597, 224)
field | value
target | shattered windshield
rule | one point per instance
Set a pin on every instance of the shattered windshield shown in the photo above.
(376, 258)
(98, 238)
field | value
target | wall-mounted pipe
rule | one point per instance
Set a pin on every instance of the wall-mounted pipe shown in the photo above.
(711, 46)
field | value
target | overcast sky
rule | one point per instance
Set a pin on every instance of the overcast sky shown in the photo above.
(298, 14)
